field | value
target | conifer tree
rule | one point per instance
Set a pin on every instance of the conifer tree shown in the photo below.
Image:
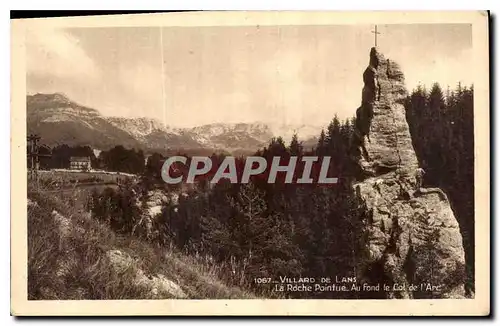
(295, 147)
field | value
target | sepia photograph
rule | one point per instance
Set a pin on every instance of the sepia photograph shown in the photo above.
(214, 163)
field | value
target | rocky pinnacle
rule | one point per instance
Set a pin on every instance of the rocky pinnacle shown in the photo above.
(411, 239)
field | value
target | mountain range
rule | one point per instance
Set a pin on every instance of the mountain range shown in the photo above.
(59, 120)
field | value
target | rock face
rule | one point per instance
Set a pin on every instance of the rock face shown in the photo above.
(157, 285)
(410, 235)
(385, 140)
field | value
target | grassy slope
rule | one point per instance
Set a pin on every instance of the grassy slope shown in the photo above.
(69, 263)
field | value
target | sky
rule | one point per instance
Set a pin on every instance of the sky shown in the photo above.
(189, 76)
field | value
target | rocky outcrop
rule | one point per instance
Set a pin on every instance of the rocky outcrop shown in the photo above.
(411, 239)
(384, 139)
(158, 285)
(151, 206)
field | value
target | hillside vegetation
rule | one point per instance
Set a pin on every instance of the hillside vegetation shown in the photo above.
(73, 256)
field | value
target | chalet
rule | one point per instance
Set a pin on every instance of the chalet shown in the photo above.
(80, 163)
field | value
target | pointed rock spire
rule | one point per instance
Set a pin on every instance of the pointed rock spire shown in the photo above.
(383, 141)
(411, 235)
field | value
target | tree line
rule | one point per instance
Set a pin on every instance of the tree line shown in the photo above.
(118, 158)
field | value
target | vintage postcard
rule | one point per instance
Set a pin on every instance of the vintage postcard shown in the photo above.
(251, 163)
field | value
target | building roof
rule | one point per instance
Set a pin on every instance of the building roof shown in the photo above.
(79, 159)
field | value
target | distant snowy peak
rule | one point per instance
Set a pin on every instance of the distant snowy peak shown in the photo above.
(59, 120)
(58, 104)
(205, 134)
(248, 136)
(215, 132)
(303, 131)
(52, 99)
(220, 128)
(141, 127)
